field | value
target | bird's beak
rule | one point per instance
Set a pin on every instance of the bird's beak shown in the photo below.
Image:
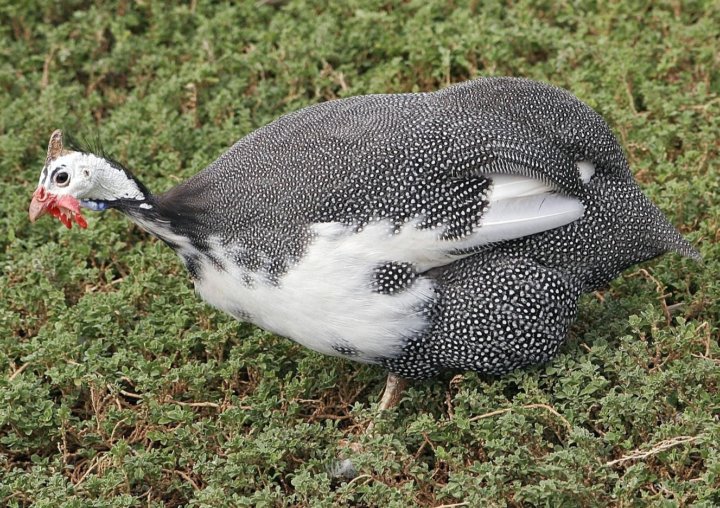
(39, 204)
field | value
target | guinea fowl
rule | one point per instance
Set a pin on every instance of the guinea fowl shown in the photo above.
(420, 232)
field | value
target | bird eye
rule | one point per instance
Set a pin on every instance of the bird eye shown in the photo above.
(62, 178)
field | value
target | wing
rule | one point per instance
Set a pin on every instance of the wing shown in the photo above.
(454, 177)
(509, 207)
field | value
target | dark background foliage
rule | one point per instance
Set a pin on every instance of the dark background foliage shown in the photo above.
(118, 387)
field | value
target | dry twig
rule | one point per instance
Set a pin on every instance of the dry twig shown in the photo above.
(660, 447)
(526, 406)
(18, 371)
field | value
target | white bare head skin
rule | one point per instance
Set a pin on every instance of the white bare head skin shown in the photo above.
(85, 176)
(73, 179)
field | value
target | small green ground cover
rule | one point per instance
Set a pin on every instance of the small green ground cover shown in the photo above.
(119, 387)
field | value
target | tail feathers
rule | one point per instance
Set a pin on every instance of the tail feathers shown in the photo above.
(666, 237)
(674, 242)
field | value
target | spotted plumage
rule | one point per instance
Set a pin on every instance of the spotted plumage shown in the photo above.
(421, 232)
(394, 277)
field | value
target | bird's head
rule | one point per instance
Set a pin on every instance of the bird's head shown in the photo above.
(74, 179)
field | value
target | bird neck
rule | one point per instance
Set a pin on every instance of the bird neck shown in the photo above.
(176, 222)
(151, 217)
(178, 217)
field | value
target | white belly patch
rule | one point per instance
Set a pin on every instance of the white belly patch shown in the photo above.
(325, 301)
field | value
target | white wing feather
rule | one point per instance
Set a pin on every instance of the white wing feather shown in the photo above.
(517, 206)
(510, 218)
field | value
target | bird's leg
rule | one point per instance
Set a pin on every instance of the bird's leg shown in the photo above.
(394, 388)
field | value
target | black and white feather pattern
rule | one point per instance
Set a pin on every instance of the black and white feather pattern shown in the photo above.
(453, 229)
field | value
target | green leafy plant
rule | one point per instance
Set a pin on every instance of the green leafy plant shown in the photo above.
(118, 387)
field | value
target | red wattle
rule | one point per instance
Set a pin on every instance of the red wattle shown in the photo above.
(57, 206)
